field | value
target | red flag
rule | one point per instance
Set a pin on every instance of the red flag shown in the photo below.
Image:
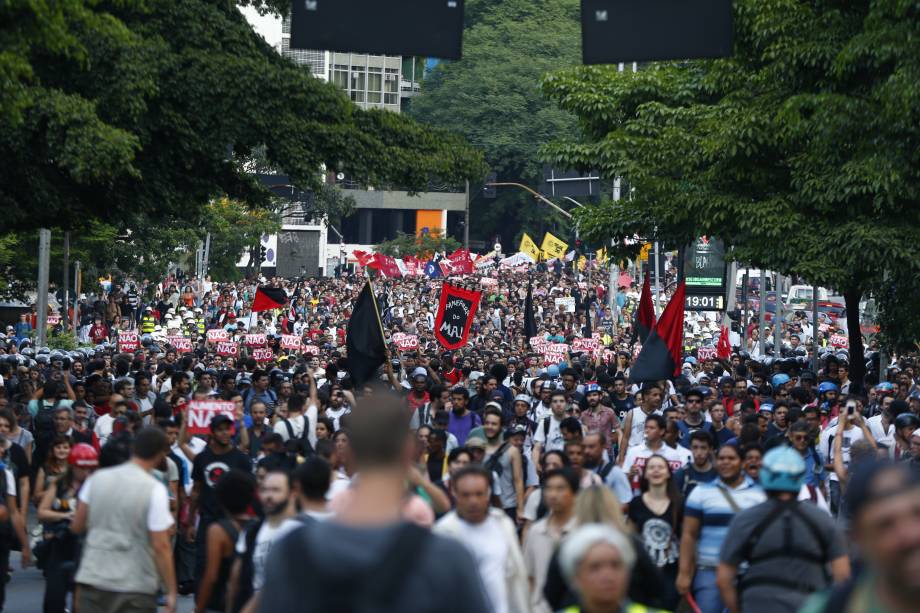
(645, 315)
(390, 268)
(362, 257)
(661, 353)
(268, 298)
(456, 311)
(377, 261)
(724, 348)
(461, 261)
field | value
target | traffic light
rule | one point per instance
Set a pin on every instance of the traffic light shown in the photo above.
(262, 252)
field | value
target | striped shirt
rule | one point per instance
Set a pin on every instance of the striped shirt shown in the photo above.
(711, 507)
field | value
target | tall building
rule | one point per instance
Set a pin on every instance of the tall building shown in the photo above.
(371, 81)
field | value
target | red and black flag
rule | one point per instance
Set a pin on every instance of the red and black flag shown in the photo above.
(530, 322)
(364, 340)
(645, 314)
(268, 298)
(455, 315)
(724, 347)
(660, 357)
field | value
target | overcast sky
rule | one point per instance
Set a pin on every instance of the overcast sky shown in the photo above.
(269, 26)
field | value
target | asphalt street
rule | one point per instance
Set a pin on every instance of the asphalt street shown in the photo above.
(25, 591)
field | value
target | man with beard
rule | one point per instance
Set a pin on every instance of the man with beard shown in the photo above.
(594, 445)
(219, 457)
(599, 418)
(461, 419)
(256, 541)
(623, 401)
(884, 504)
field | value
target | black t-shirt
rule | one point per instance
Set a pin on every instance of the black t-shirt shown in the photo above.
(623, 407)
(16, 460)
(207, 469)
(657, 532)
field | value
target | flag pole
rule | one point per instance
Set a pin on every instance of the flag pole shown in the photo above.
(376, 309)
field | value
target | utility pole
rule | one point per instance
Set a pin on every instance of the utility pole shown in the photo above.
(814, 328)
(744, 299)
(778, 318)
(466, 218)
(657, 285)
(44, 263)
(205, 256)
(763, 317)
(66, 279)
(76, 295)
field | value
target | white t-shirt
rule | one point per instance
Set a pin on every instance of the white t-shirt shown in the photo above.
(883, 438)
(336, 414)
(638, 455)
(826, 445)
(298, 423)
(158, 516)
(268, 535)
(486, 543)
(551, 440)
(637, 431)
(10, 483)
(103, 428)
(197, 445)
(683, 453)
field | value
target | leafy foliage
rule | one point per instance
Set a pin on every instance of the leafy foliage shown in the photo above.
(492, 97)
(115, 110)
(423, 246)
(800, 150)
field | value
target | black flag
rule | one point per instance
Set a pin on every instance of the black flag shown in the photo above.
(661, 353)
(364, 338)
(530, 323)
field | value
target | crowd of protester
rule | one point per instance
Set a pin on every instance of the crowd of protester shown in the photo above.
(486, 478)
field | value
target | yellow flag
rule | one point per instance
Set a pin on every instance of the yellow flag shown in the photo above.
(602, 255)
(582, 261)
(529, 247)
(646, 248)
(553, 247)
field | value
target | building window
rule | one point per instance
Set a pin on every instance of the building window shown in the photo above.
(340, 76)
(358, 78)
(374, 84)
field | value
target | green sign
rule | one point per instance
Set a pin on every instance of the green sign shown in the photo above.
(704, 266)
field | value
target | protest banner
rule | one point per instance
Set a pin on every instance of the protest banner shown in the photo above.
(53, 320)
(262, 354)
(488, 282)
(538, 343)
(554, 353)
(228, 349)
(585, 345)
(128, 342)
(254, 340)
(706, 353)
(566, 302)
(201, 412)
(841, 341)
(291, 341)
(217, 335)
(181, 344)
(405, 341)
(310, 350)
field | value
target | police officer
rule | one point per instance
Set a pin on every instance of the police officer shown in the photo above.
(199, 321)
(147, 321)
(786, 543)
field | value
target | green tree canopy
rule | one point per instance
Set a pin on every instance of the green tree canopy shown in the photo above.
(112, 110)
(492, 96)
(422, 246)
(800, 150)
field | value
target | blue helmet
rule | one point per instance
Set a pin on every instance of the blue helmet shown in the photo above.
(779, 379)
(592, 387)
(783, 470)
(827, 386)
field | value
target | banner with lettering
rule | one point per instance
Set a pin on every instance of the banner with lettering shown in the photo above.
(217, 335)
(554, 353)
(254, 340)
(262, 354)
(456, 311)
(201, 412)
(291, 341)
(405, 341)
(228, 349)
(128, 342)
(181, 344)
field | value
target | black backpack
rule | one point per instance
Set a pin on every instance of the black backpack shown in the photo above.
(44, 418)
(297, 446)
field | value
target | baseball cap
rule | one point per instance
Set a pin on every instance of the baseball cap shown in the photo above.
(219, 420)
(474, 442)
(515, 430)
(419, 372)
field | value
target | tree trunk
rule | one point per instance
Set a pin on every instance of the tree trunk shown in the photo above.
(857, 352)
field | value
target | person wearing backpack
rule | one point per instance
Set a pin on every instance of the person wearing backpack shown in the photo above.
(298, 429)
(508, 463)
(786, 544)
(398, 566)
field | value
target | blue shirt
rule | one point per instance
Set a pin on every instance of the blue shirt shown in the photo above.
(709, 505)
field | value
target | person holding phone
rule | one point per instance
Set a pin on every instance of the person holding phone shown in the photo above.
(853, 429)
